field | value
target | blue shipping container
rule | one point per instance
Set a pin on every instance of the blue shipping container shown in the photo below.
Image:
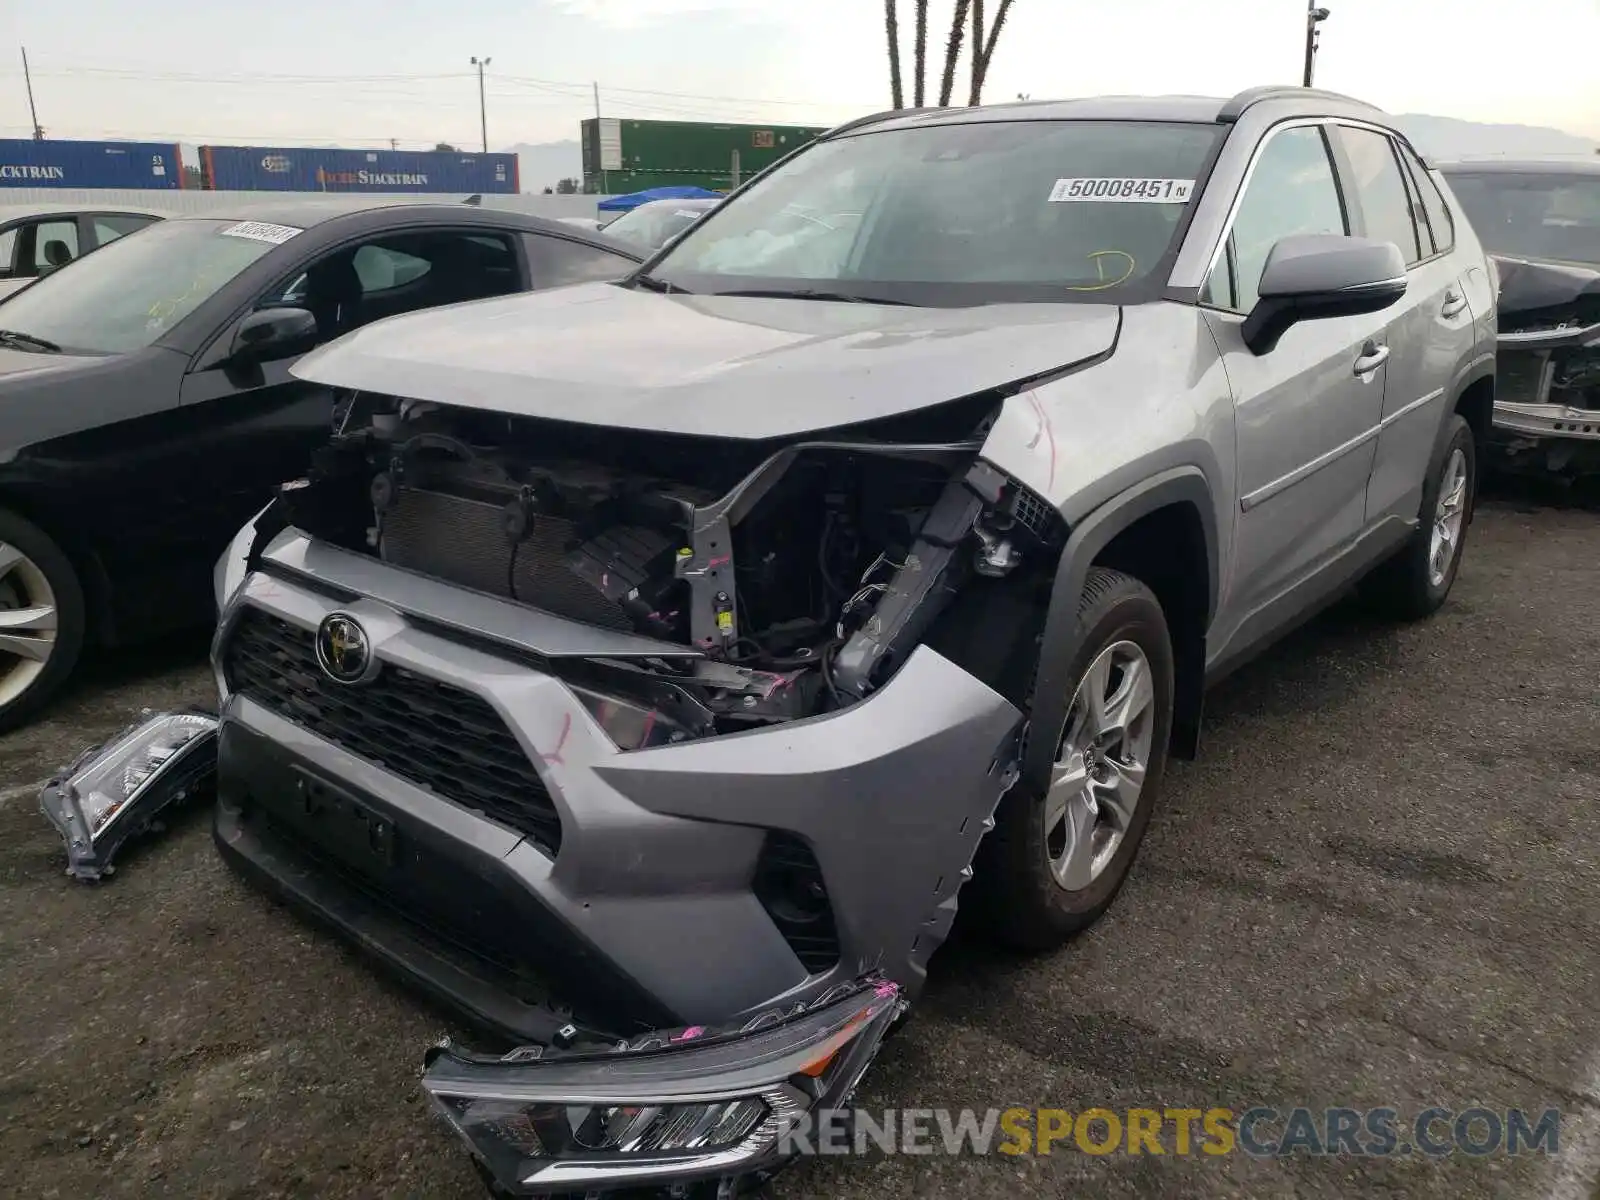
(299, 169)
(60, 164)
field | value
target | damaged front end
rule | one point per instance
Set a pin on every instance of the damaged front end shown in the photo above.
(686, 1111)
(594, 733)
(1547, 404)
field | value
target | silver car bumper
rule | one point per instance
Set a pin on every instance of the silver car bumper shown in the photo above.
(645, 907)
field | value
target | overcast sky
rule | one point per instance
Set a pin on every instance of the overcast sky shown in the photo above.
(360, 72)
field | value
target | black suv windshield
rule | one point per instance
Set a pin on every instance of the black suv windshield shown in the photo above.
(131, 291)
(957, 214)
(1532, 214)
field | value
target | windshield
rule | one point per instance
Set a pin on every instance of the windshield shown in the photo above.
(652, 226)
(1533, 215)
(128, 293)
(957, 214)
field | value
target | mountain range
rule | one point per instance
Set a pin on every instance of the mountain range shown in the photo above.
(543, 164)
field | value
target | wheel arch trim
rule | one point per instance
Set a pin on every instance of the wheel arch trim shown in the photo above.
(1184, 485)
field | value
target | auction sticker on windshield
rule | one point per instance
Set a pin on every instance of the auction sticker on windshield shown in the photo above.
(262, 231)
(1123, 191)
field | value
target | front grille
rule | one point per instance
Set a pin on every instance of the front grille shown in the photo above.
(1035, 514)
(788, 883)
(440, 738)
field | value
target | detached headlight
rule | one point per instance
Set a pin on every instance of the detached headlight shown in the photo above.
(692, 1106)
(114, 791)
(660, 1139)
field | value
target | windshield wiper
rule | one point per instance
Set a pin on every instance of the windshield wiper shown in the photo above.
(811, 294)
(26, 341)
(651, 284)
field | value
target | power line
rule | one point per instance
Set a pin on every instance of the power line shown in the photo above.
(248, 78)
(558, 83)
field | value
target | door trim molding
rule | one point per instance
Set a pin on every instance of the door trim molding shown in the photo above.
(1281, 484)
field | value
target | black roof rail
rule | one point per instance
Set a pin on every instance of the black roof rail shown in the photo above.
(1234, 108)
(887, 114)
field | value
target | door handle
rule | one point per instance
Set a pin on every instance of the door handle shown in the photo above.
(1454, 304)
(1372, 357)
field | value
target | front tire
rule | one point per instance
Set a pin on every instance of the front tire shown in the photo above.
(1417, 580)
(42, 619)
(1057, 858)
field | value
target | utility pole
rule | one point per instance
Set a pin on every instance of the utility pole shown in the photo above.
(1314, 17)
(38, 132)
(394, 143)
(599, 151)
(483, 111)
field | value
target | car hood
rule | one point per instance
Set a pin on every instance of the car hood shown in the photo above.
(1530, 285)
(722, 366)
(23, 364)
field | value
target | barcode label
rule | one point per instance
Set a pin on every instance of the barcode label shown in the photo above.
(1122, 191)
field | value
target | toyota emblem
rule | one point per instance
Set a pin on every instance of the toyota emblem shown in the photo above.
(344, 651)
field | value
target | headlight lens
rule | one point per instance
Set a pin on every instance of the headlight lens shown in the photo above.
(669, 1108)
(510, 1135)
(111, 792)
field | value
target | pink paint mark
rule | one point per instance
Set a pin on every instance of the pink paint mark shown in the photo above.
(605, 579)
(719, 562)
(554, 757)
(884, 990)
(689, 1034)
(1047, 431)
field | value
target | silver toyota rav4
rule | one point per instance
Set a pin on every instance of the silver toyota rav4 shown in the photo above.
(648, 668)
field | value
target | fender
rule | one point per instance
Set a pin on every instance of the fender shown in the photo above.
(1474, 371)
(1051, 690)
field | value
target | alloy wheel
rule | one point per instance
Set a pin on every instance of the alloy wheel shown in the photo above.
(27, 622)
(1100, 768)
(1448, 516)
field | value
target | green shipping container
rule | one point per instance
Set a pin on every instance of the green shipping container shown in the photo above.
(619, 153)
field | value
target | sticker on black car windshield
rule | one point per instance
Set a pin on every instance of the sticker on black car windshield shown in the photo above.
(1123, 191)
(261, 231)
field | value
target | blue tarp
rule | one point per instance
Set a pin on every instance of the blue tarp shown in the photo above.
(679, 192)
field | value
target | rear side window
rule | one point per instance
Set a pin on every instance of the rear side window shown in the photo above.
(556, 261)
(55, 244)
(380, 267)
(108, 227)
(1441, 224)
(1291, 191)
(1381, 191)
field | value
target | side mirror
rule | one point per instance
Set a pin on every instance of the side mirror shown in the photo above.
(1311, 276)
(274, 333)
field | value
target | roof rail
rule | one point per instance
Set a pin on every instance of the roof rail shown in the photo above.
(887, 114)
(1234, 108)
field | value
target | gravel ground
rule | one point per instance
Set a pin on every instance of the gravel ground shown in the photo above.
(1377, 887)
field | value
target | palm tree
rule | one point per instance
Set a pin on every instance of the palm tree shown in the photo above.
(891, 22)
(952, 51)
(922, 52)
(983, 45)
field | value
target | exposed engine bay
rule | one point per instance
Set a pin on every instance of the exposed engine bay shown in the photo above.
(795, 576)
(1550, 334)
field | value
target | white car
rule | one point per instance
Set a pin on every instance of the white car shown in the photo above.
(655, 223)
